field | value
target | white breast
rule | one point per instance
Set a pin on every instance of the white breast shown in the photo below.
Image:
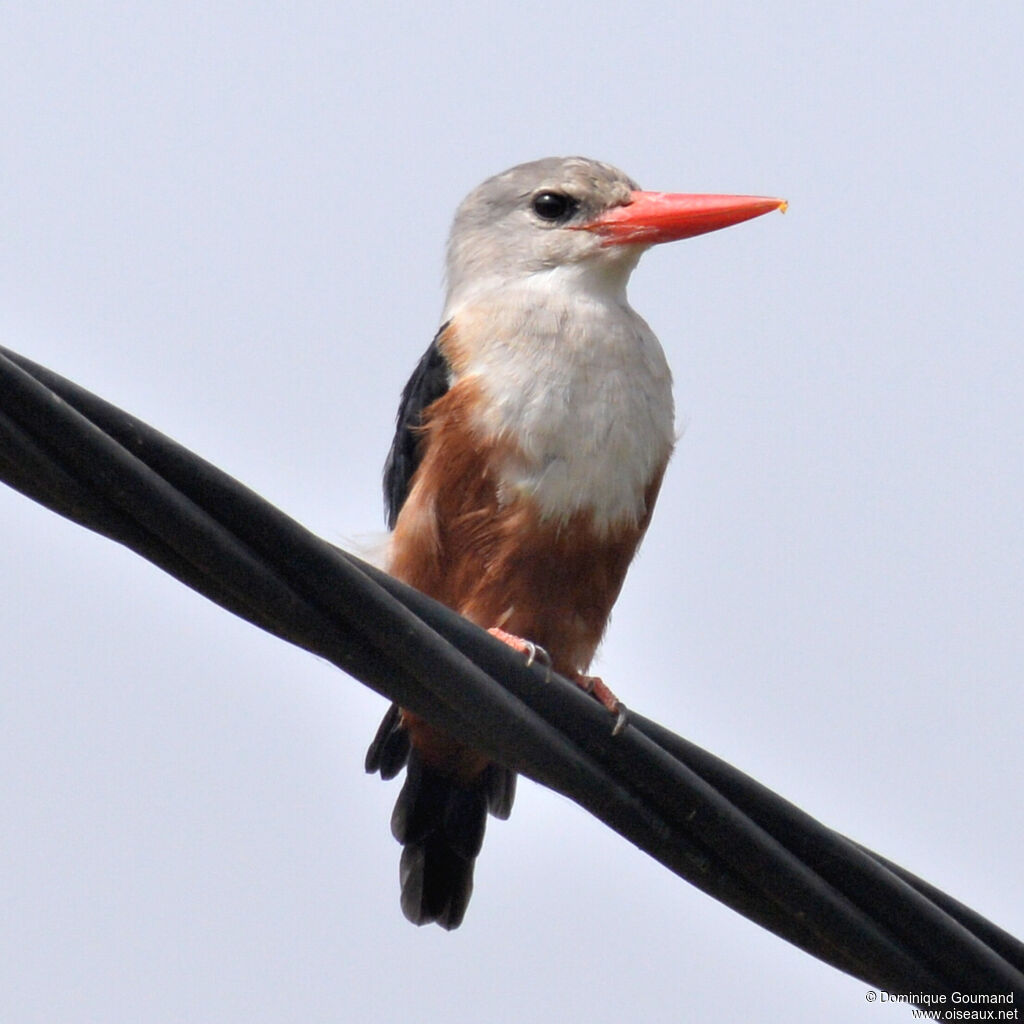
(580, 383)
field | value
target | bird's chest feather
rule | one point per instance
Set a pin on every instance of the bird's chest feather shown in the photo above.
(578, 401)
(540, 468)
(494, 556)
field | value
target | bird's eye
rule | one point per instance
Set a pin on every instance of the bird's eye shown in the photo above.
(553, 205)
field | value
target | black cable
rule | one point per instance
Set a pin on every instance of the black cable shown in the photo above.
(734, 839)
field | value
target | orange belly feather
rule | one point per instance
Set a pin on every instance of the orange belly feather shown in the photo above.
(551, 581)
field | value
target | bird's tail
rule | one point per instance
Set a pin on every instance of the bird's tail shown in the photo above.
(440, 823)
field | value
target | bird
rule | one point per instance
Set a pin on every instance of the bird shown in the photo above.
(529, 449)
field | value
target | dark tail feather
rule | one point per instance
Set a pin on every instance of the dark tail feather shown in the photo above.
(390, 747)
(440, 824)
(500, 785)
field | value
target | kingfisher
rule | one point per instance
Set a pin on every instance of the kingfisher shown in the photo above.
(530, 445)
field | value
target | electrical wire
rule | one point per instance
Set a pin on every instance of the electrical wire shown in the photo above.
(700, 817)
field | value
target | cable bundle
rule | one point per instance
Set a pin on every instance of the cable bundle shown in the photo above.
(701, 818)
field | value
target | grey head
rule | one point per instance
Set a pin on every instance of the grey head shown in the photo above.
(527, 221)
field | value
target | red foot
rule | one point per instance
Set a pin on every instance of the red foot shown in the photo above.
(534, 652)
(595, 686)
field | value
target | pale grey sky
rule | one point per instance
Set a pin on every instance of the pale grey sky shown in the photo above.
(229, 219)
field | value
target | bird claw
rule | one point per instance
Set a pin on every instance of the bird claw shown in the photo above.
(621, 720)
(534, 652)
(537, 654)
(595, 686)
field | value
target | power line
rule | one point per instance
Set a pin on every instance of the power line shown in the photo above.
(700, 817)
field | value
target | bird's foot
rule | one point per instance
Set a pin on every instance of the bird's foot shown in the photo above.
(595, 686)
(534, 652)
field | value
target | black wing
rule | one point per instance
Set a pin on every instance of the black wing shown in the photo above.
(429, 381)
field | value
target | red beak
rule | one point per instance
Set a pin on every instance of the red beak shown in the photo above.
(652, 217)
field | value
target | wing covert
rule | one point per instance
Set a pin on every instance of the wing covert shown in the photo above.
(429, 381)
